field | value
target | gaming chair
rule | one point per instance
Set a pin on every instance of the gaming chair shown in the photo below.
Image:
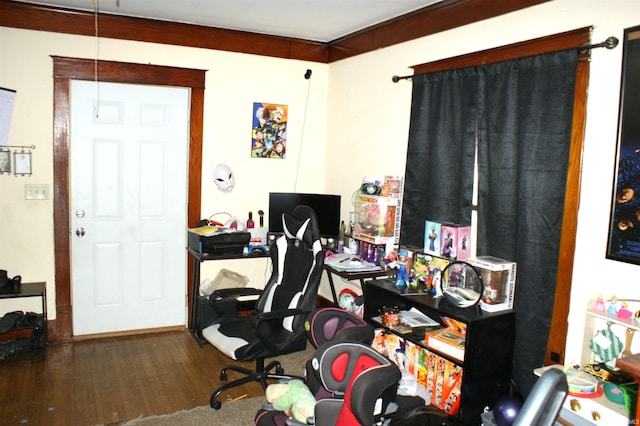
(277, 325)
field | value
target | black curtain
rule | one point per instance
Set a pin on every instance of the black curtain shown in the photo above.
(524, 134)
(440, 152)
(519, 113)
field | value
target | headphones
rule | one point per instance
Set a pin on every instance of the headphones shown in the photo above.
(370, 188)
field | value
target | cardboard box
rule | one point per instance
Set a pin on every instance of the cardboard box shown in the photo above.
(377, 218)
(455, 241)
(432, 237)
(499, 280)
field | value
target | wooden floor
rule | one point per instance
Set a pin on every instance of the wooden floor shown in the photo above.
(107, 381)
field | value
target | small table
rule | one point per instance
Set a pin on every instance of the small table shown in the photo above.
(354, 275)
(38, 289)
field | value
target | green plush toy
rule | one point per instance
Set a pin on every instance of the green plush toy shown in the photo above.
(294, 398)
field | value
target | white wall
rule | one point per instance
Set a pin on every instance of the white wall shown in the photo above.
(356, 125)
(233, 83)
(367, 107)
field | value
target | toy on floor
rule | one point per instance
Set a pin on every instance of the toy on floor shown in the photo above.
(294, 398)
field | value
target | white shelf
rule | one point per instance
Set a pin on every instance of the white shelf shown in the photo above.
(632, 322)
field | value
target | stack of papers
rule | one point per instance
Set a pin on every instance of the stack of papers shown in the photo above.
(350, 263)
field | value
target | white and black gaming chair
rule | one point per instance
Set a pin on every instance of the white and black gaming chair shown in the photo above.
(276, 326)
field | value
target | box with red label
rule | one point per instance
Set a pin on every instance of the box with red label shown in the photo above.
(499, 281)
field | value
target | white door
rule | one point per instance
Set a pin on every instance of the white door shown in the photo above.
(128, 162)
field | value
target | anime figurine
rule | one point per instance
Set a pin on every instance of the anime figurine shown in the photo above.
(613, 308)
(599, 305)
(402, 277)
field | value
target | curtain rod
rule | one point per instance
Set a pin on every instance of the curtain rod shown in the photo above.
(609, 43)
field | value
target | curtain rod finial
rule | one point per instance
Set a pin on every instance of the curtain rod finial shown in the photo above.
(395, 78)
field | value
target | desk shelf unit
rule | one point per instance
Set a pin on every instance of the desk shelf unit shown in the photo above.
(488, 349)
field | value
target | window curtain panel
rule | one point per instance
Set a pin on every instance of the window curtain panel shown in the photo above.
(524, 136)
(440, 152)
(519, 113)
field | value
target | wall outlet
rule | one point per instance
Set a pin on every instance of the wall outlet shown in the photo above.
(36, 191)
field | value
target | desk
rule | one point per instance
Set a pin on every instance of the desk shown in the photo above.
(198, 258)
(351, 276)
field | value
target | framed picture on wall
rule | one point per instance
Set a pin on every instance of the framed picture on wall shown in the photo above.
(5, 160)
(624, 224)
(21, 163)
(269, 131)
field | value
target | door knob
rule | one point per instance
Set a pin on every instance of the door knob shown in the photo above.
(80, 232)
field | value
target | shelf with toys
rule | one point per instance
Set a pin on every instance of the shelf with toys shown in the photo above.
(610, 324)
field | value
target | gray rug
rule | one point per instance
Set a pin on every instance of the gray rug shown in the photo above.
(235, 413)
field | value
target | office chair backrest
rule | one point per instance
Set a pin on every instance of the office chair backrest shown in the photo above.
(297, 261)
(545, 400)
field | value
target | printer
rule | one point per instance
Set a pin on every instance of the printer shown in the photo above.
(218, 241)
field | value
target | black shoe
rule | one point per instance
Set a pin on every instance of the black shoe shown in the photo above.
(10, 320)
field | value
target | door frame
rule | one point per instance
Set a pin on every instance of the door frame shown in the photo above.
(66, 69)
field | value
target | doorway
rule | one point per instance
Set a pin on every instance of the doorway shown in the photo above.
(66, 69)
(128, 150)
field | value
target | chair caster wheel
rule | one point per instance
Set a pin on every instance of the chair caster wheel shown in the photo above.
(279, 370)
(223, 376)
(215, 404)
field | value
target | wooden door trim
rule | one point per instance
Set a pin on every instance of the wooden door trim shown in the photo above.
(66, 69)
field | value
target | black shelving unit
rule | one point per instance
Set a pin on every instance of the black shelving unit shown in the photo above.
(488, 348)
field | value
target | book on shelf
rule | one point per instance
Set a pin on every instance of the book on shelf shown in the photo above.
(446, 341)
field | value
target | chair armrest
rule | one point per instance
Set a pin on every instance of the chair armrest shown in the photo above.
(225, 301)
(233, 292)
(275, 337)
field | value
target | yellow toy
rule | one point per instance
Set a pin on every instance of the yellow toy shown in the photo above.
(294, 398)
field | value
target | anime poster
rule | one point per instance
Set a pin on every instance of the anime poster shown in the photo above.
(624, 225)
(269, 135)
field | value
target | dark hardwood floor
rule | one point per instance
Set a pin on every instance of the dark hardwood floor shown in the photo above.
(108, 381)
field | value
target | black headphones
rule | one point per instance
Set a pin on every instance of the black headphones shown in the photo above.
(370, 188)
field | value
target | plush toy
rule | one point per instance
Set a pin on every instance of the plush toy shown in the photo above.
(294, 398)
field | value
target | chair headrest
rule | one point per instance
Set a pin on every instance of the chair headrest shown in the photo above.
(301, 225)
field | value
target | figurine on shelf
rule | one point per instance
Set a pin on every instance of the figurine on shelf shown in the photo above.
(402, 277)
(624, 312)
(599, 305)
(613, 308)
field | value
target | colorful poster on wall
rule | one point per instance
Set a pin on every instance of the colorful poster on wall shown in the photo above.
(269, 132)
(624, 225)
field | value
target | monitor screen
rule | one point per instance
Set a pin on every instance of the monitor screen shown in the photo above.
(326, 207)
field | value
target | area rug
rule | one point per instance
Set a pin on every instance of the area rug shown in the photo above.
(235, 413)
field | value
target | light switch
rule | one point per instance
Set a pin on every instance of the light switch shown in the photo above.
(36, 191)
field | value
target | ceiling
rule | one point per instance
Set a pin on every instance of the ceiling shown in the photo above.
(317, 20)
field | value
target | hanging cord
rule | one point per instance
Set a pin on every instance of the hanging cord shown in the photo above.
(96, 106)
(307, 76)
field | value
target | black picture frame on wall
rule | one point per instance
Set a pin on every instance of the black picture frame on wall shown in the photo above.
(624, 223)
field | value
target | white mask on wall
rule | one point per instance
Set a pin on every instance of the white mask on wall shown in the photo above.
(223, 177)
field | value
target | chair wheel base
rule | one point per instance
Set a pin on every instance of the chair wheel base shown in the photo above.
(215, 404)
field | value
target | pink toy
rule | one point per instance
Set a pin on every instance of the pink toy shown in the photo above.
(599, 305)
(624, 312)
